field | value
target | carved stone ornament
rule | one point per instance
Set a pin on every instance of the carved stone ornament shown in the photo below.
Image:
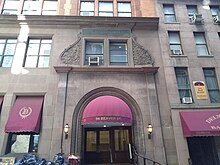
(71, 55)
(140, 55)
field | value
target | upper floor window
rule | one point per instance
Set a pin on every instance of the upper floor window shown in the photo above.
(212, 85)
(49, 7)
(105, 9)
(215, 11)
(201, 45)
(118, 53)
(124, 9)
(7, 50)
(183, 84)
(38, 53)
(94, 53)
(175, 44)
(87, 9)
(31, 7)
(10, 7)
(191, 9)
(169, 13)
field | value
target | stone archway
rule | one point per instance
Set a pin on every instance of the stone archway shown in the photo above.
(137, 128)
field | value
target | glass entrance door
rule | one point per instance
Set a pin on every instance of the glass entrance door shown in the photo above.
(107, 145)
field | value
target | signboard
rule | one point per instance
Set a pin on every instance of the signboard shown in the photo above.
(7, 160)
(200, 90)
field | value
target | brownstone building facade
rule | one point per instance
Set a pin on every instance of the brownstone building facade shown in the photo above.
(106, 71)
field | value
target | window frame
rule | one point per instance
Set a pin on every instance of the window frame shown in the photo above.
(189, 9)
(167, 16)
(10, 11)
(123, 63)
(184, 87)
(215, 88)
(201, 43)
(31, 146)
(175, 44)
(4, 50)
(94, 55)
(104, 11)
(35, 11)
(38, 55)
(124, 12)
(51, 11)
(90, 11)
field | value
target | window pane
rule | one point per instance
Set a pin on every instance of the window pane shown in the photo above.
(214, 10)
(36, 141)
(50, 5)
(2, 46)
(94, 48)
(105, 14)
(170, 18)
(191, 10)
(212, 85)
(45, 49)
(11, 4)
(43, 61)
(91, 142)
(33, 49)
(124, 7)
(174, 37)
(87, 6)
(183, 83)
(118, 54)
(104, 141)
(200, 38)
(168, 9)
(31, 8)
(7, 61)
(31, 61)
(21, 144)
(86, 13)
(10, 49)
(106, 6)
(202, 50)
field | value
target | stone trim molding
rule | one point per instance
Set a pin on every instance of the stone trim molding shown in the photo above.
(72, 54)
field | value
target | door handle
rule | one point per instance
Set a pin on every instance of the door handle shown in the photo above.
(129, 150)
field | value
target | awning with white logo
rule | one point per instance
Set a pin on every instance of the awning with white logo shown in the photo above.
(200, 123)
(25, 115)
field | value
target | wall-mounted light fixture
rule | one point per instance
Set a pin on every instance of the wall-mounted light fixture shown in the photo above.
(149, 130)
(66, 130)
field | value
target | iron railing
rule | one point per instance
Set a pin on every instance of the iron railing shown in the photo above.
(145, 159)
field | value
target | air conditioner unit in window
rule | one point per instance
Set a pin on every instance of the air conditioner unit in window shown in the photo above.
(197, 18)
(216, 19)
(187, 100)
(177, 52)
(93, 61)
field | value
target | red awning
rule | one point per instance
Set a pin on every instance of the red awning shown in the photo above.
(106, 109)
(200, 123)
(25, 115)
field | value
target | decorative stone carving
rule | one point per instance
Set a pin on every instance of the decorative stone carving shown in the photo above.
(140, 55)
(71, 55)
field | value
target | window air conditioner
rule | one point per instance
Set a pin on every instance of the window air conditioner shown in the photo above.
(197, 18)
(93, 61)
(187, 100)
(216, 19)
(177, 52)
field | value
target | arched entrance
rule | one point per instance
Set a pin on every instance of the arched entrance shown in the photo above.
(107, 122)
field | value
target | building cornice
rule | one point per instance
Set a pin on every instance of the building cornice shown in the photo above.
(144, 69)
(82, 21)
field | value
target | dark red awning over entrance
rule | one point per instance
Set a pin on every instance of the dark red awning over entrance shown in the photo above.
(25, 115)
(107, 109)
(200, 123)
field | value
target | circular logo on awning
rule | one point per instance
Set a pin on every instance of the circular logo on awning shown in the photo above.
(25, 112)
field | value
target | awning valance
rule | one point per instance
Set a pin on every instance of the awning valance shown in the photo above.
(107, 109)
(200, 123)
(25, 115)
